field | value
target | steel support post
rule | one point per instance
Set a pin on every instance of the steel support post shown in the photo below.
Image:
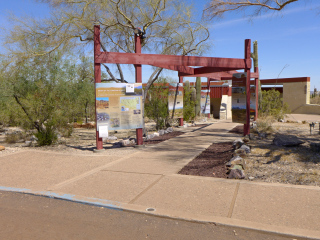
(138, 72)
(247, 56)
(97, 77)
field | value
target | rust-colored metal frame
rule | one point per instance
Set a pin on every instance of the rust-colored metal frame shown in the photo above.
(207, 65)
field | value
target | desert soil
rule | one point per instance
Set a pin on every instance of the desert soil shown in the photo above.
(267, 162)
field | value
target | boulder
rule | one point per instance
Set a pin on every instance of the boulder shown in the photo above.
(161, 132)
(246, 148)
(237, 143)
(2, 148)
(237, 160)
(125, 142)
(150, 136)
(170, 129)
(240, 152)
(236, 174)
(286, 140)
(156, 134)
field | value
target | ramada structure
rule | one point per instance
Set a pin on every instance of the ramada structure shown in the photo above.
(191, 66)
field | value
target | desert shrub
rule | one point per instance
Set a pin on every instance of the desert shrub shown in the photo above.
(156, 104)
(188, 105)
(47, 135)
(264, 124)
(272, 105)
(15, 137)
(66, 131)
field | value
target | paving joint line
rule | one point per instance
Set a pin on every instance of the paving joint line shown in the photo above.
(146, 189)
(107, 170)
(86, 174)
(233, 201)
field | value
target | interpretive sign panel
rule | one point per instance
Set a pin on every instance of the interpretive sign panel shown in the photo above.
(119, 105)
(205, 101)
(239, 98)
(175, 100)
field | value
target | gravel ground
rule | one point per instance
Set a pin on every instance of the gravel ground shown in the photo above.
(294, 165)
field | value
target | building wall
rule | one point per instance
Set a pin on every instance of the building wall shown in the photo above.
(308, 109)
(215, 104)
(296, 94)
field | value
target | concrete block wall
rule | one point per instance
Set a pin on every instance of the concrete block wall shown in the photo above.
(296, 94)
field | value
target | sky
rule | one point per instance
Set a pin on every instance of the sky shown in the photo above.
(288, 42)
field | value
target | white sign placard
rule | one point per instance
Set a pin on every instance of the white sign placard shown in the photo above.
(129, 88)
(103, 131)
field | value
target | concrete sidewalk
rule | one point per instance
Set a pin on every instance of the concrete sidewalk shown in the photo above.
(147, 181)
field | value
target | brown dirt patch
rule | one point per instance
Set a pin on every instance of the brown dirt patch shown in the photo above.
(211, 162)
(238, 130)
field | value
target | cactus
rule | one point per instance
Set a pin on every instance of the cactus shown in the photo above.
(193, 94)
(187, 86)
(198, 97)
(254, 56)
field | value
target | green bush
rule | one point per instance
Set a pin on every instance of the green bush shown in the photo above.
(15, 137)
(156, 104)
(47, 135)
(272, 105)
(264, 124)
(188, 105)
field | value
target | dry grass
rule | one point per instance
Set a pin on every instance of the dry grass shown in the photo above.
(294, 165)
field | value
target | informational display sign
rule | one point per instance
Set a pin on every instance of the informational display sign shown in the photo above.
(175, 100)
(239, 98)
(119, 106)
(205, 101)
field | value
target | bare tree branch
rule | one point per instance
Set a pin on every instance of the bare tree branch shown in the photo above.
(217, 8)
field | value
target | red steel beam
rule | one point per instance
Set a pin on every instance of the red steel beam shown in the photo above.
(157, 59)
(181, 69)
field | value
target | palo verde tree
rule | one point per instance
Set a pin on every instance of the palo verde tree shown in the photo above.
(45, 93)
(169, 25)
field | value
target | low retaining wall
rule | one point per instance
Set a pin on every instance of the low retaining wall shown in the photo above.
(308, 109)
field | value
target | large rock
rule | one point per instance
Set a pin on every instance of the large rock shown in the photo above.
(2, 148)
(237, 143)
(246, 148)
(150, 136)
(236, 174)
(170, 129)
(286, 140)
(237, 160)
(125, 142)
(161, 132)
(240, 152)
